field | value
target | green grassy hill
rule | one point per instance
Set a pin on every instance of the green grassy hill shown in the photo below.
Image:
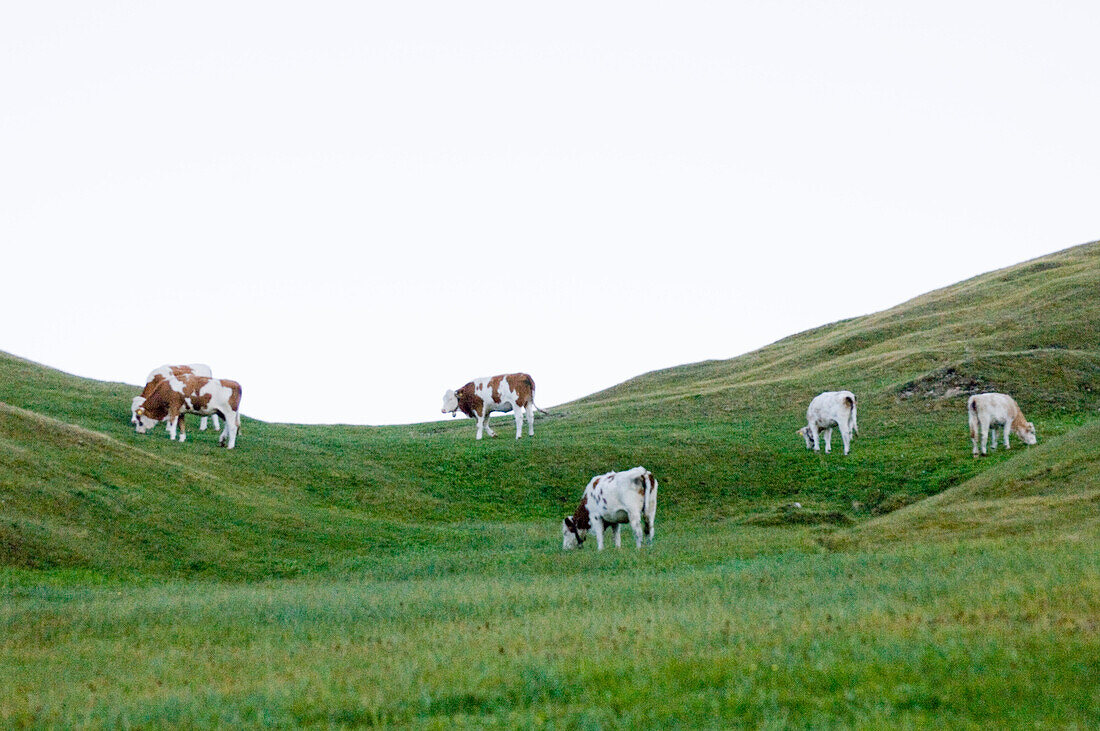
(80, 489)
(410, 576)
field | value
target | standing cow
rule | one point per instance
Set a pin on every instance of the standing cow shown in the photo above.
(159, 374)
(610, 500)
(173, 397)
(828, 410)
(482, 396)
(986, 411)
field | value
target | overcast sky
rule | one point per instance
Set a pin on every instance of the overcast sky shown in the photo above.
(350, 207)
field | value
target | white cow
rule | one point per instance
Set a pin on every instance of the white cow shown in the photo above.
(173, 397)
(987, 411)
(612, 499)
(829, 410)
(482, 396)
(164, 371)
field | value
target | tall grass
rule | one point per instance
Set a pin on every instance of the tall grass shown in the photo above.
(722, 626)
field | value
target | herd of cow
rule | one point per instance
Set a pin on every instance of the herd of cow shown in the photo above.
(610, 499)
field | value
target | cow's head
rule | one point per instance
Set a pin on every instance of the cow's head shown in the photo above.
(135, 404)
(804, 432)
(1028, 434)
(450, 402)
(571, 535)
(142, 421)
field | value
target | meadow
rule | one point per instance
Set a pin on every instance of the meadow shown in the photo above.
(409, 576)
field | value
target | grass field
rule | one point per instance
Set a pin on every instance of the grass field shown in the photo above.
(410, 576)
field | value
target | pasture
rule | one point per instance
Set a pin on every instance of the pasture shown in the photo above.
(718, 625)
(411, 576)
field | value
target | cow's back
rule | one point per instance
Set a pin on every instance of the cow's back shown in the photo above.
(831, 405)
(191, 369)
(234, 395)
(505, 390)
(995, 408)
(160, 399)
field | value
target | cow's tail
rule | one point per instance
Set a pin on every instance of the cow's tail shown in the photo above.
(649, 504)
(531, 383)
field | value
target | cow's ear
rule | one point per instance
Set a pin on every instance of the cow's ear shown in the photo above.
(140, 411)
(569, 521)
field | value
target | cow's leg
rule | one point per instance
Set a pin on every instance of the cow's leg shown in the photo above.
(598, 528)
(518, 411)
(230, 432)
(531, 419)
(845, 437)
(216, 424)
(202, 423)
(181, 427)
(636, 527)
(616, 530)
(985, 435)
(817, 438)
(1005, 429)
(172, 423)
(484, 422)
(828, 439)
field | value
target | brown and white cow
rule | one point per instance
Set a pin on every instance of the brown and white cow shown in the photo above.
(158, 374)
(829, 410)
(173, 397)
(610, 500)
(987, 411)
(481, 396)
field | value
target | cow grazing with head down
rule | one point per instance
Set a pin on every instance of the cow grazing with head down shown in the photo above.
(481, 396)
(173, 397)
(163, 372)
(610, 500)
(987, 411)
(829, 410)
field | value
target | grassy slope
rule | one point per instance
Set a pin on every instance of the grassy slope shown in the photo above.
(727, 627)
(78, 488)
(422, 596)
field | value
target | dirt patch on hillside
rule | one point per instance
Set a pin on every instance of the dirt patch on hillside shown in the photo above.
(945, 383)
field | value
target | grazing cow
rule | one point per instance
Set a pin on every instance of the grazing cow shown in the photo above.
(159, 374)
(609, 501)
(987, 411)
(173, 397)
(481, 396)
(828, 410)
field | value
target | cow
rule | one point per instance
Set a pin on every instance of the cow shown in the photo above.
(481, 396)
(610, 500)
(987, 411)
(829, 410)
(164, 371)
(173, 397)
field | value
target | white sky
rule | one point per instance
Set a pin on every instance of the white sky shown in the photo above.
(350, 207)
